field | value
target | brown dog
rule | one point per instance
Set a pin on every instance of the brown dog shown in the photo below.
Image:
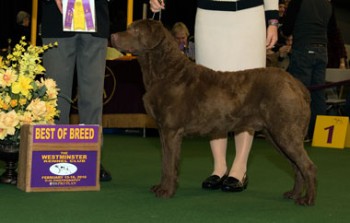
(188, 99)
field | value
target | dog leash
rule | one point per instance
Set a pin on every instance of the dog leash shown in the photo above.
(160, 12)
(159, 17)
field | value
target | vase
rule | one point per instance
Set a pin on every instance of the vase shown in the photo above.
(9, 151)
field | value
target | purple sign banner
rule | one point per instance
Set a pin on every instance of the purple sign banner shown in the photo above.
(63, 169)
(65, 133)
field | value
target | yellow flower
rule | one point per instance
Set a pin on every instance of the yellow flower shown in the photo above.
(38, 109)
(50, 112)
(22, 101)
(3, 133)
(50, 83)
(52, 90)
(39, 69)
(9, 121)
(13, 103)
(15, 55)
(22, 85)
(26, 118)
(7, 77)
(3, 105)
(10, 56)
(23, 98)
(7, 99)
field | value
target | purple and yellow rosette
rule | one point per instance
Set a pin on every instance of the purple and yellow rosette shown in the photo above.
(79, 16)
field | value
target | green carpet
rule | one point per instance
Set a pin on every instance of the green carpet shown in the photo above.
(135, 165)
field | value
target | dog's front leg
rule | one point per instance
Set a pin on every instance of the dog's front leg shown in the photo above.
(171, 147)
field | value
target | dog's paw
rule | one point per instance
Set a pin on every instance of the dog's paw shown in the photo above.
(305, 201)
(291, 195)
(162, 192)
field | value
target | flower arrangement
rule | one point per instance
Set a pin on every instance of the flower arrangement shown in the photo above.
(26, 97)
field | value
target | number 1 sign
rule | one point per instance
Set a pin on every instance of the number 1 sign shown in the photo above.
(330, 131)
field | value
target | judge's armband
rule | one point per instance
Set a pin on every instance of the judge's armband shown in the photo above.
(273, 22)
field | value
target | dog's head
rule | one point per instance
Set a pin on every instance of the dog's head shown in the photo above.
(140, 35)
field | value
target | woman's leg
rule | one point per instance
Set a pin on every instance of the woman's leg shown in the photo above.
(243, 142)
(236, 181)
(218, 149)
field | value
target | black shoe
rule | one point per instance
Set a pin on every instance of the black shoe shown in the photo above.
(233, 185)
(104, 175)
(213, 182)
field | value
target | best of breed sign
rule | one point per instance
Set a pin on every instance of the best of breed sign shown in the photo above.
(59, 158)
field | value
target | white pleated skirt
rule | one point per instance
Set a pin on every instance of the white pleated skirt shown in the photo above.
(231, 41)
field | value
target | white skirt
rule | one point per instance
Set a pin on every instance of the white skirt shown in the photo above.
(231, 41)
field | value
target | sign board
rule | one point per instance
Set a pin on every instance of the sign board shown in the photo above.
(330, 131)
(59, 158)
(347, 140)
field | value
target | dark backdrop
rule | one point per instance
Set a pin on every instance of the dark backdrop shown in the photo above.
(185, 10)
(176, 10)
(8, 12)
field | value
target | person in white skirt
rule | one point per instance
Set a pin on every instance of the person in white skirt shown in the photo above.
(232, 35)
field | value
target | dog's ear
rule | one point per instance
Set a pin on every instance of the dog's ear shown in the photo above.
(151, 33)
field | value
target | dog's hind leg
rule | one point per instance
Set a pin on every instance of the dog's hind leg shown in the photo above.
(308, 171)
(171, 147)
(304, 170)
(305, 176)
(299, 183)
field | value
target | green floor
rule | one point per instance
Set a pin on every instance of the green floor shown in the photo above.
(135, 164)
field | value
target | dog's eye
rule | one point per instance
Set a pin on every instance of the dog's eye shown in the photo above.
(134, 31)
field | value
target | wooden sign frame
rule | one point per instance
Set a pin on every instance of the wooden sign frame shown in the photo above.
(59, 158)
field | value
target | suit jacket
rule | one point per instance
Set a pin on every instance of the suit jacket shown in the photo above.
(52, 25)
(307, 21)
(336, 46)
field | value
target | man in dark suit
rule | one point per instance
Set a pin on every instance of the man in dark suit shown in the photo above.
(83, 51)
(307, 21)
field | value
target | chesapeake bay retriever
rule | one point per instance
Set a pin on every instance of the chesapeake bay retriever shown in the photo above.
(189, 99)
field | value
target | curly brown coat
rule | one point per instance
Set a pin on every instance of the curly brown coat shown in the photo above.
(188, 99)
